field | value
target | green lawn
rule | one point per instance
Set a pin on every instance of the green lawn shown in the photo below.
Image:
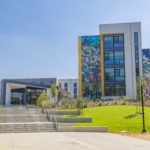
(117, 118)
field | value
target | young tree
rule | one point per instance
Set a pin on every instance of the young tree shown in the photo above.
(42, 98)
(140, 84)
(54, 92)
(60, 95)
(79, 106)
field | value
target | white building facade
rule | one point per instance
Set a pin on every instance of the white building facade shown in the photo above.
(132, 51)
(70, 86)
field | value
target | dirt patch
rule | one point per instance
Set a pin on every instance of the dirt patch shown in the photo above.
(145, 136)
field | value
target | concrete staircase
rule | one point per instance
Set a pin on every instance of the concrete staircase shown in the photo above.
(19, 119)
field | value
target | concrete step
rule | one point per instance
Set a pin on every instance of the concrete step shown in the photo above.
(26, 127)
(20, 112)
(22, 120)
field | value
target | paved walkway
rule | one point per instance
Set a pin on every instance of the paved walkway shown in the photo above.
(70, 141)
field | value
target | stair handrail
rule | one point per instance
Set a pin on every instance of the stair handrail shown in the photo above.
(50, 112)
(55, 121)
(26, 104)
(42, 108)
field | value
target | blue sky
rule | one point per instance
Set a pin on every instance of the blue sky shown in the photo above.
(39, 38)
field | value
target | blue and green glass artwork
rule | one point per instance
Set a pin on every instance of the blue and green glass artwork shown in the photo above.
(146, 68)
(90, 47)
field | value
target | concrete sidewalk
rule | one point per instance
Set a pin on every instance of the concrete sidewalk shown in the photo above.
(70, 141)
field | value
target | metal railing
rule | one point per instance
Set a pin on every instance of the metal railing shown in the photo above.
(50, 114)
(26, 104)
(55, 122)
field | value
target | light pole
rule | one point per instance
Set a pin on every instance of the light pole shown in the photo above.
(143, 115)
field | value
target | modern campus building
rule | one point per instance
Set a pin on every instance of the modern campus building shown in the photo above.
(21, 91)
(146, 69)
(70, 86)
(109, 63)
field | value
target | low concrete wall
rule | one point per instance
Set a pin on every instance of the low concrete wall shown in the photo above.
(74, 120)
(82, 129)
(67, 113)
(64, 112)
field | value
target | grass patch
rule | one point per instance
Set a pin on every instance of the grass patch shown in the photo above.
(116, 118)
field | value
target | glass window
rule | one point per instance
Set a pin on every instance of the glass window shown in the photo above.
(109, 62)
(121, 40)
(117, 72)
(119, 79)
(119, 61)
(108, 41)
(114, 65)
(118, 41)
(75, 84)
(75, 90)
(66, 89)
(66, 85)
(59, 85)
(109, 58)
(136, 53)
(122, 72)
(118, 45)
(119, 90)
(119, 55)
(109, 55)
(109, 90)
(109, 74)
(109, 71)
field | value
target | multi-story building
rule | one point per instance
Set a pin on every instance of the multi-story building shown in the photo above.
(146, 68)
(70, 86)
(110, 62)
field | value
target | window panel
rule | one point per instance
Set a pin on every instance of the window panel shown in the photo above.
(110, 90)
(109, 62)
(119, 79)
(108, 41)
(75, 84)
(119, 55)
(118, 45)
(114, 65)
(122, 72)
(109, 71)
(116, 39)
(117, 72)
(109, 74)
(121, 39)
(119, 62)
(109, 55)
(119, 90)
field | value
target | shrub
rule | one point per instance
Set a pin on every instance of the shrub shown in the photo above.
(99, 104)
(46, 104)
(85, 105)
(79, 105)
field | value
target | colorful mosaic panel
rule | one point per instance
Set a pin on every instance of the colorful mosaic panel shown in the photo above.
(90, 47)
(146, 68)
